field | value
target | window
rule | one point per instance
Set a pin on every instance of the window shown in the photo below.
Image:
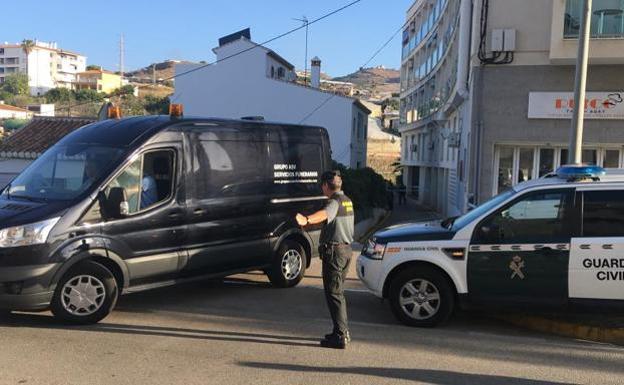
(229, 168)
(525, 170)
(606, 18)
(281, 73)
(603, 213)
(1, 51)
(611, 159)
(505, 168)
(147, 181)
(546, 161)
(539, 217)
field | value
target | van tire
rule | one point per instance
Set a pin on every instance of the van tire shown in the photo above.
(100, 293)
(288, 265)
(406, 296)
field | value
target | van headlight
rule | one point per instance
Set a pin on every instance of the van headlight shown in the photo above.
(373, 249)
(25, 235)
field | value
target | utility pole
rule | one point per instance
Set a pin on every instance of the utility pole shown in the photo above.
(305, 21)
(580, 82)
(121, 60)
(154, 74)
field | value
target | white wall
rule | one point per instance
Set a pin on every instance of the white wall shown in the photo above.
(239, 87)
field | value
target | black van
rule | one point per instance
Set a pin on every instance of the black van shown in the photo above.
(130, 204)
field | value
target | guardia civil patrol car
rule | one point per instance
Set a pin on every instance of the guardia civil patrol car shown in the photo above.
(556, 240)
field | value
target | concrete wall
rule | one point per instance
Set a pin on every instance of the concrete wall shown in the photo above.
(501, 108)
(239, 87)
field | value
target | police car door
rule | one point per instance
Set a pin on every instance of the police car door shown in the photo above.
(520, 252)
(597, 256)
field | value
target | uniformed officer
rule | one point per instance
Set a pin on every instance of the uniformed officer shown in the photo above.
(335, 251)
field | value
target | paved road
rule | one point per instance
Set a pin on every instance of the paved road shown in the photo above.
(242, 331)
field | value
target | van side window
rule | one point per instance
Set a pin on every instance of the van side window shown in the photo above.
(541, 217)
(603, 213)
(302, 161)
(147, 181)
(230, 168)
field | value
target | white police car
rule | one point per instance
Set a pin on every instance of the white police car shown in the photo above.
(550, 241)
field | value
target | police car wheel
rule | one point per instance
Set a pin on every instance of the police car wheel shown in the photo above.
(288, 265)
(86, 294)
(421, 296)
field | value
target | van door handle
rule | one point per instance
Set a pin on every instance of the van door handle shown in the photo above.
(175, 216)
(199, 211)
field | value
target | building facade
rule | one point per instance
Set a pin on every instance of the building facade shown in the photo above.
(46, 65)
(251, 80)
(514, 119)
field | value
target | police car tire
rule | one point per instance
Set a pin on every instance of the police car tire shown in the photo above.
(101, 273)
(447, 296)
(275, 274)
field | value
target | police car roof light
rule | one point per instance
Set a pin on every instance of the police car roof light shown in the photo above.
(580, 171)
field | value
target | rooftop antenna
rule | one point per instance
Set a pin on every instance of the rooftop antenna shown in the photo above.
(305, 22)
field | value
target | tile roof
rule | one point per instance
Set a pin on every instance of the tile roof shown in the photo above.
(37, 136)
(7, 107)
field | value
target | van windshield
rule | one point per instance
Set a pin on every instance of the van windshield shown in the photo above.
(63, 172)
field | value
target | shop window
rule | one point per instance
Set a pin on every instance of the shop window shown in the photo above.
(525, 168)
(505, 168)
(546, 161)
(603, 213)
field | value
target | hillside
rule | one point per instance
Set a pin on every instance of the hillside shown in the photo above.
(164, 70)
(377, 80)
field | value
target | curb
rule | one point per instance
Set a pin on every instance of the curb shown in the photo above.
(567, 329)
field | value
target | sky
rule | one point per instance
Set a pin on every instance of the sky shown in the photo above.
(188, 30)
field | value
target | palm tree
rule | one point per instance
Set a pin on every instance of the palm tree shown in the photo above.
(27, 46)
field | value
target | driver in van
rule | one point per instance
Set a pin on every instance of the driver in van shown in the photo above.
(335, 251)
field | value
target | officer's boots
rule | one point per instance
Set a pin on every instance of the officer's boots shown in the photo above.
(336, 341)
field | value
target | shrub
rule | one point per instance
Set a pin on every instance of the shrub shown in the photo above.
(14, 124)
(365, 187)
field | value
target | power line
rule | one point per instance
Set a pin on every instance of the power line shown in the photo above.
(325, 16)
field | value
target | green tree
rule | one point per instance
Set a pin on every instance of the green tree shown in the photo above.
(16, 84)
(155, 105)
(27, 46)
(94, 67)
(88, 95)
(131, 106)
(125, 90)
(59, 94)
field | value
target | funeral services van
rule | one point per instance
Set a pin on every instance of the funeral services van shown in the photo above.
(130, 204)
(553, 241)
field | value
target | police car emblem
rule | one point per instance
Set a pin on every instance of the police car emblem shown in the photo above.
(516, 265)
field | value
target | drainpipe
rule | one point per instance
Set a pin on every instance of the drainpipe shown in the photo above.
(463, 61)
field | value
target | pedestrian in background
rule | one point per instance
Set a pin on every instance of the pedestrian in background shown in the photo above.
(335, 250)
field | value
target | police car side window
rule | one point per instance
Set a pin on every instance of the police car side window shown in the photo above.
(603, 213)
(535, 218)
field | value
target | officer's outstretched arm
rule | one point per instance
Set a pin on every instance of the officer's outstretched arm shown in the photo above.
(313, 219)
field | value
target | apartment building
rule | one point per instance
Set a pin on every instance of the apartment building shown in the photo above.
(99, 80)
(514, 120)
(251, 80)
(46, 65)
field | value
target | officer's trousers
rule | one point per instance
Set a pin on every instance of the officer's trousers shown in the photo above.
(336, 260)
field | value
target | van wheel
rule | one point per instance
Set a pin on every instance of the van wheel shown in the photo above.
(288, 266)
(422, 297)
(86, 294)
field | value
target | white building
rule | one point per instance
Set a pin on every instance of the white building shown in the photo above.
(251, 80)
(12, 112)
(46, 65)
(486, 94)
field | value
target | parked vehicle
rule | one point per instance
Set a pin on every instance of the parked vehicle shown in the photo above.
(553, 241)
(130, 204)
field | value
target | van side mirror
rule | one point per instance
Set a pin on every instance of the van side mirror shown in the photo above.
(116, 203)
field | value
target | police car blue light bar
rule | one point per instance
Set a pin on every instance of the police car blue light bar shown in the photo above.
(580, 171)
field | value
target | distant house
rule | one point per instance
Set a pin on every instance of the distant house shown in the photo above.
(30, 141)
(12, 112)
(98, 80)
(251, 80)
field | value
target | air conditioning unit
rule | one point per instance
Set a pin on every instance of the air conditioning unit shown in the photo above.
(454, 139)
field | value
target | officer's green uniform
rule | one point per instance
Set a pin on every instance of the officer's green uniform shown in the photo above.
(336, 239)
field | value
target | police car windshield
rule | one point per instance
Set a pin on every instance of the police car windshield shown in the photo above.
(478, 211)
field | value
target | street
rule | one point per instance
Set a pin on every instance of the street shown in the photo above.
(242, 331)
